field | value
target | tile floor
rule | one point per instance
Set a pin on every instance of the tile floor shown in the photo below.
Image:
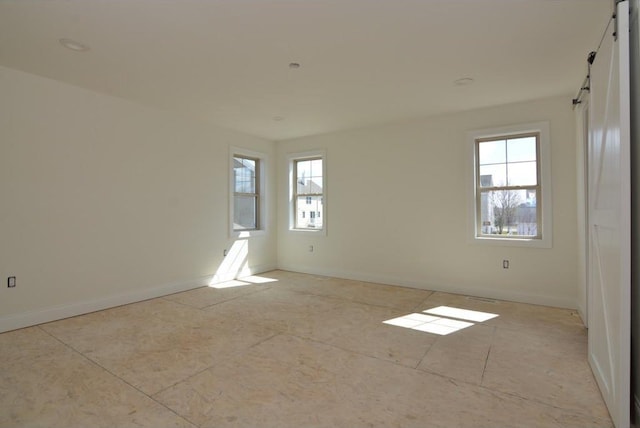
(300, 351)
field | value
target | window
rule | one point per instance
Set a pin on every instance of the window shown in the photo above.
(247, 183)
(307, 173)
(511, 188)
(246, 196)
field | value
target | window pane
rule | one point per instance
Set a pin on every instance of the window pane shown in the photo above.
(493, 175)
(522, 174)
(309, 216)
(508, 213)
(303, 169)
(244, 212)
(309, 185)
(316, 168)
(244, 172)
(492, 152)
(303, 186)
(521, 149)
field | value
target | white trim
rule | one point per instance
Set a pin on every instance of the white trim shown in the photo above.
(291, 157)
(26, 319)
(54, 313)
(263, 220)
(546, 186)
(247, 271)
(436, 285)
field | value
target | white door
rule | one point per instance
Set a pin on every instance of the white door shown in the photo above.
(609, 220)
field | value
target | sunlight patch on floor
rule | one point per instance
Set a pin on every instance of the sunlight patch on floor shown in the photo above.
(462, 314)
(441, 320)
(255, 279)
(229, 284)
(241, 282)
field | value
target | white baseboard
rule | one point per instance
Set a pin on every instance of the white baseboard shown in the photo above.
(40, 316)
(247, 271)
(426, 284)
(583, 316)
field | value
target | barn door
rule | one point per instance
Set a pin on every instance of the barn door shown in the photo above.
(609, 219)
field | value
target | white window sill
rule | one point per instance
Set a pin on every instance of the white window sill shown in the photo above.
(512, 242)
(322, 231)
(241, 234)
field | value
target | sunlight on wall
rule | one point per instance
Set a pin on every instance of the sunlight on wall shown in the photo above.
(234, 262)
(444, 323)
(234, 270)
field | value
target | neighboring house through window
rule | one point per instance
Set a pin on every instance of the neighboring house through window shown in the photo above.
(307, 172)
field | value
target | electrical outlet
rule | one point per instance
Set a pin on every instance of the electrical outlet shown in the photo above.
(11, 282)
(224, 253)
(505, 264)
(311, 248)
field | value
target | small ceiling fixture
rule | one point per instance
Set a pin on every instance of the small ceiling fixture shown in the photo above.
(464, 81)
(278, 118)
(73, 45)
(294, 65)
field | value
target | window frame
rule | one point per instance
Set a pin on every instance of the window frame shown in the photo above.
(292, 160)
(259, 195)
(543, 239)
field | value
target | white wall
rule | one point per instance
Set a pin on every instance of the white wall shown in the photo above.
(104, 202)
(416, 233)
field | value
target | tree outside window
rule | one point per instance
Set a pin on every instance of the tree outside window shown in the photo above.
(508, 186)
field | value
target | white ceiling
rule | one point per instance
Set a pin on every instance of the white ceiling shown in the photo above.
(362, 61)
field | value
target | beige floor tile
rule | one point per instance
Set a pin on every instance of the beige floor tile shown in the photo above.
(342, 323)
(149, 351)
(208, 296)
(60, 388)
(402, 298)
(550, 369)
(519, 316)
(360, 328)
(278, 309)
(28, 342)
(302, 351)
(461, 355)
(156, 365)
(292, 382)
(125, 327)
(278, 384)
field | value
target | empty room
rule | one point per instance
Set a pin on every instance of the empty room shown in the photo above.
(319, 213)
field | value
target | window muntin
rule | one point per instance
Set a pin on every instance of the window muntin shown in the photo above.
(508, 190)
(246, 193)
(308, 193)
